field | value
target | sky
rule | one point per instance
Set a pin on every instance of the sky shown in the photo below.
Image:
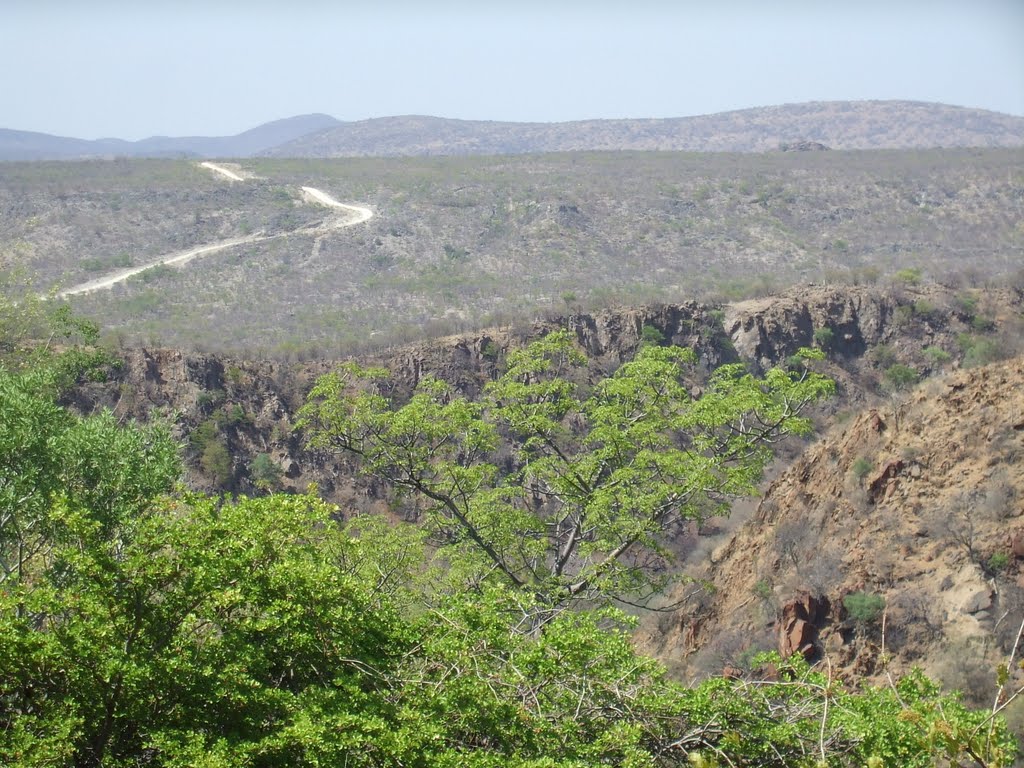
(111, 68)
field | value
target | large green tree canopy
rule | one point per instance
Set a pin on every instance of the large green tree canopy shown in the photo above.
(601, 473)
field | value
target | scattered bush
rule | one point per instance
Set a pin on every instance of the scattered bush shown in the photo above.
(824, 338)
(861, 467)
(864, 607)
(266, 473)
(910, 276)
(651, 336)
(899, 377)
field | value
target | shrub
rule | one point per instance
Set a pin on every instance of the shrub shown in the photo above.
(883, 356)
(216, 461)
(899, 376)
(864, 607)
(452, 253)
(903, 315)
(924, 309)
(936, 356)
(998, 562)
(231, 416)
(861, 467)
(980, 351)
(983, 324)
(234, 374)
(824, 338)
(266, 473)
(910, 276)
(651, 336)
(210, 398)
(966, 303)
(763, 590)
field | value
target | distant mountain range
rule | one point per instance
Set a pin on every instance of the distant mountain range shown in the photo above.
(25, 145)
(825, 124)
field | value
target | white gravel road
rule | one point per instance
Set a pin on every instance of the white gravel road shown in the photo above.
(178, 258)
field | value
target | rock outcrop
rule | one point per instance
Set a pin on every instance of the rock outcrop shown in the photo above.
(920, 503)
(799, 623)
(262, 397)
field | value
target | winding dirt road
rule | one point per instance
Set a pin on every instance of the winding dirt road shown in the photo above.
(222, 171)
(312, 195)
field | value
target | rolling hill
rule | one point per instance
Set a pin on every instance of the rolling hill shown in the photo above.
(834, 124)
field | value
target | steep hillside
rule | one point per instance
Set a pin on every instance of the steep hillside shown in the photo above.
(918, 502)
(834, 124)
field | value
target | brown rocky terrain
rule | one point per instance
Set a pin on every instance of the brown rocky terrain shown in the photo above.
(919, 501)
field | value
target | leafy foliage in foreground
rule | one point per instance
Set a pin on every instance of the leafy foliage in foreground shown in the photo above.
(144, 627)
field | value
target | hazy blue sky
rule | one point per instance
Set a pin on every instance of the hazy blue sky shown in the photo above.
(94, 68)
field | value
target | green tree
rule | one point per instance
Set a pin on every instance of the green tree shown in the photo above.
(824, 338)
(651, 335)
(899, 376)
(266, 473)
(216, 461)
(600, 473)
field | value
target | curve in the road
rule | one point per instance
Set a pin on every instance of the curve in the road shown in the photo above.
(312, 194)
(222, 171)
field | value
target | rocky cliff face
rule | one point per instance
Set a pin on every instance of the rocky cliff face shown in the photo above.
(252, 404)
(901, 527)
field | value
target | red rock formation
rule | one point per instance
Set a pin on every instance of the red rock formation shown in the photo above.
(798, 628)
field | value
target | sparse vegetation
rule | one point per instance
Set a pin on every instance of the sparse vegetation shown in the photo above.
(861, 467)
(824, 338)
(403, 274)
(908, 276)
(266, 473)
(188, 596)
(899, 377)
(864, 607)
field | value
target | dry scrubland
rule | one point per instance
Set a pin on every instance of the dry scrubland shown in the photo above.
(467, 242)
